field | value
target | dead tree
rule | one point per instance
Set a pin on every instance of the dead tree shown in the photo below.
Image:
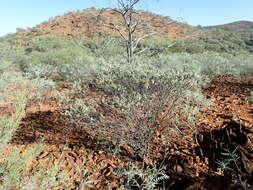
(127, 29)
(127, 12)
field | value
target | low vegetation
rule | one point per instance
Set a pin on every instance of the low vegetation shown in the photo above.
(132, 102)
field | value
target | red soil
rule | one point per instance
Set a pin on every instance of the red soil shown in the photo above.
(190, 158)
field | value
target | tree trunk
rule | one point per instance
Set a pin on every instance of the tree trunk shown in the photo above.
(130, 38)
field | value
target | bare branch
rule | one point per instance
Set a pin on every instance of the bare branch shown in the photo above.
(135, 25)
(143, 37)
(121, 12)
(127, 4)
(158, 50)
(143, 50)
(114, 27)
(133, 4)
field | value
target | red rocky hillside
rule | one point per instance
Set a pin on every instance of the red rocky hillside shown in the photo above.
(91, 22)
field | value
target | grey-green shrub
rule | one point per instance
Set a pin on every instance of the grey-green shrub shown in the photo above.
(10, 56)
(14, 170)
(81, 109)
(49, 56)
(215, 64)
(8, 125)
(43, 177)
(143, 178)
(141, 92)
(45, 54)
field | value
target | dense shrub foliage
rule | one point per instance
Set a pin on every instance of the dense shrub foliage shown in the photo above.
(146, 179)
(215, 40)
(141, 93)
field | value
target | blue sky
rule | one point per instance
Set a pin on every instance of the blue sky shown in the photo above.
(28, 13)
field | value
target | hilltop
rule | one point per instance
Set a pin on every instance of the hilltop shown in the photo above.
(91, 22)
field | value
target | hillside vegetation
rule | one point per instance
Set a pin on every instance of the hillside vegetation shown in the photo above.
(76, 115)
(238, 26)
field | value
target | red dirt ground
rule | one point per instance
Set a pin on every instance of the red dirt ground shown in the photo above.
(190, 158)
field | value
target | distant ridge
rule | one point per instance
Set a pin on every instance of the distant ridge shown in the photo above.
(234, 26)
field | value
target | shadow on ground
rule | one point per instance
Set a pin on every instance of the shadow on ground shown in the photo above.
(52, 129)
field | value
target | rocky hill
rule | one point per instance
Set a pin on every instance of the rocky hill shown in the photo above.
(92, 22)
